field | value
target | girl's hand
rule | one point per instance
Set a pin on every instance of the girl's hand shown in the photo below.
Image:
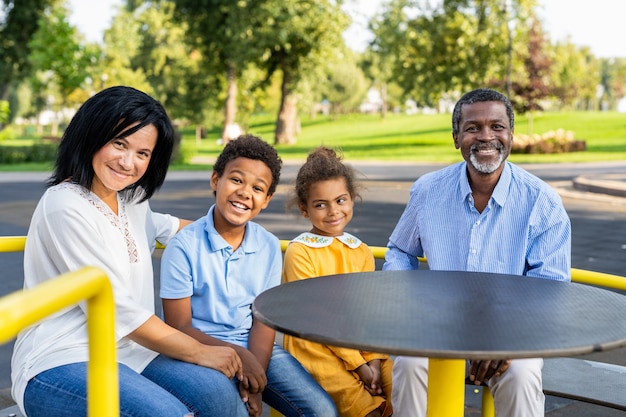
(366, 375)
(376, 384)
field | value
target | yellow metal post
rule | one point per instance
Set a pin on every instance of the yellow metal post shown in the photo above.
(24, 308)
(446, 388)
(274, 413)
(487, 407)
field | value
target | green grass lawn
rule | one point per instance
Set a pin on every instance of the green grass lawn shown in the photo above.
(428, 138)
(400, 137)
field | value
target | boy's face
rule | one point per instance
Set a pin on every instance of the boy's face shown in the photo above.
(240, 193)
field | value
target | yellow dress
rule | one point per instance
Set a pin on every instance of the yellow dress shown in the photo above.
(310, 255)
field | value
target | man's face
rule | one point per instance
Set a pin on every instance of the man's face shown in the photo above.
(485, 137)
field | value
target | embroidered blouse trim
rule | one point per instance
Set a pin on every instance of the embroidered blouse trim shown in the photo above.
(120, 222)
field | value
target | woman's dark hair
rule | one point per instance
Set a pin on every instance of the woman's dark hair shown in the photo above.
(108, 115)
(322, 164)
(251, 147)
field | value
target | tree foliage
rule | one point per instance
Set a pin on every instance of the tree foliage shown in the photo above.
(379, 60)
(529, 92)
(57, 50)
(222, 31)
(18, 23)
(297, 37)
(345, 87)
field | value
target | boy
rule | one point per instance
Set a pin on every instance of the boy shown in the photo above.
(212, 271)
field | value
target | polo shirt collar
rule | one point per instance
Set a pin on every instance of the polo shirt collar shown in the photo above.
(251, 241)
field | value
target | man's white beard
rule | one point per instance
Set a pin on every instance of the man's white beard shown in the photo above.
(486, 167)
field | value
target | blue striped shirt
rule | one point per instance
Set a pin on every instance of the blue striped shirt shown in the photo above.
(524, 230)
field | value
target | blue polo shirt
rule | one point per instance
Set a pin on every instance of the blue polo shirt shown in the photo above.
(222, 283)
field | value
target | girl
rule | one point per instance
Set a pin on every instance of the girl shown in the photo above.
(359, 382)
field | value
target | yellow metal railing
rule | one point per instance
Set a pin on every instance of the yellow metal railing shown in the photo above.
(103, 398)
(24, 308)
(12, 243)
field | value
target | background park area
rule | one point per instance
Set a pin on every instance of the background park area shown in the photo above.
(366, 137)
(284, 70)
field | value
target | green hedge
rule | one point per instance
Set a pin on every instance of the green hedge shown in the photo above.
(39, 152)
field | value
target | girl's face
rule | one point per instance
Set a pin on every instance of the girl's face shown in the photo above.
(329, 207)
(122, 162)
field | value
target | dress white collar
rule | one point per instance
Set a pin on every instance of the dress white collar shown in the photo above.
(318, 241)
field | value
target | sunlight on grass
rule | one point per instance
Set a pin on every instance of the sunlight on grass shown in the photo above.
(428, 138)
(400, 137)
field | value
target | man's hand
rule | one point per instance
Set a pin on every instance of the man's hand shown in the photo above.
(482, 371)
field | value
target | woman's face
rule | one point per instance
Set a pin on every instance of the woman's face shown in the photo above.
(123, 161)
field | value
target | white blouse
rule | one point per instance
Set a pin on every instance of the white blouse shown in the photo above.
(71, 228)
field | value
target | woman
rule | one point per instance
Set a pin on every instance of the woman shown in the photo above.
(113, 156)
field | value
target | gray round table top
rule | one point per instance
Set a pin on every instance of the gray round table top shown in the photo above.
(443, 314)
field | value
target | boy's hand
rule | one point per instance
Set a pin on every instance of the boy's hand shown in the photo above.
(254, 378)
(255, 405)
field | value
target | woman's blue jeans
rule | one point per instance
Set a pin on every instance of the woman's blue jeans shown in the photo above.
(166, 387)
(292, 390)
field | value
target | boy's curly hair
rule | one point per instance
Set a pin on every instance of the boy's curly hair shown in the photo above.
(251, 147)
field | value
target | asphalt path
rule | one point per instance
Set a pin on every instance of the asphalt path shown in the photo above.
(598, 222)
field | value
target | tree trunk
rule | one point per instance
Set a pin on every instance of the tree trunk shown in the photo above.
(230, 106)
(4, 91)
(198, 135)
(383, 99)
(287, 121)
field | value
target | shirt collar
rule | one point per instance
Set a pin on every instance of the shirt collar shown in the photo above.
(318, 241)
(250, 242)
(501, 191)
(503, 186)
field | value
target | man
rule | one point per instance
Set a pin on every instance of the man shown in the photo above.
(487, 215)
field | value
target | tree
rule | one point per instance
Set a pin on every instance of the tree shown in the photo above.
(18, 23)
(448, 47)
(345, 87)
(121, 43)
(613, 81)
(57, 50)
(574, 75)
(536, 85)
(379, 60)
(297, 37)
(146, 48)
(222, 31)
